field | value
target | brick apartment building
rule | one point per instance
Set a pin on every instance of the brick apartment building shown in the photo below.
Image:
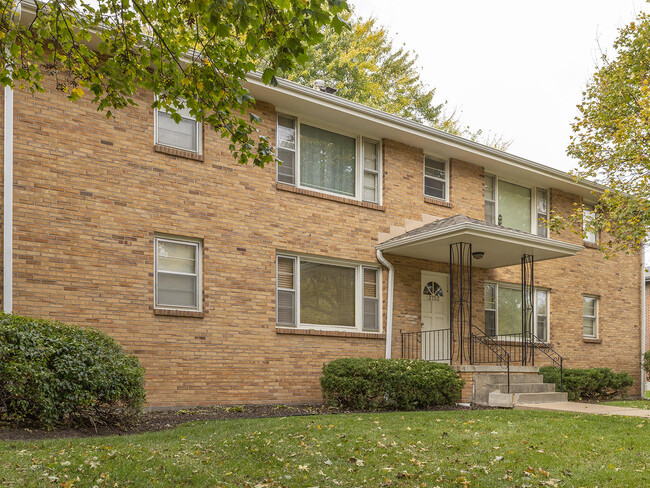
(234, 284)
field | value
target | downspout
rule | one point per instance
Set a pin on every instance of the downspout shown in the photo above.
(8, 195)
(389, 313)
(643, 324)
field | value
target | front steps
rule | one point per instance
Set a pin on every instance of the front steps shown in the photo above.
(492, 389)
(488, 385)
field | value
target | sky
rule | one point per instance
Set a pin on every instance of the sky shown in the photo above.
(516, 68)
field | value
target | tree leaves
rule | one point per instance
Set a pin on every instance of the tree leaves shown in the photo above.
(199, 51)
(612, 140)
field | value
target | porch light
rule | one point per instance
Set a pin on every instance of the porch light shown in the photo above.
(478, 255)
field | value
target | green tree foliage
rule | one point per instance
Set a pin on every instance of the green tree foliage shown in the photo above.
(196, 52)
(364, 66)
(612, 139)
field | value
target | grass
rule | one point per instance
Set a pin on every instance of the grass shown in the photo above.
(490, 448)
(642, 404)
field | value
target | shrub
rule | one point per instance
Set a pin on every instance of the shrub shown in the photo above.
(53, 374)
(646, 364)
(388, 384)
(588, 384)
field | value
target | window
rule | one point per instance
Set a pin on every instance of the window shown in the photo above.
(503, 311)
(315, 158)
(185, 135)
(435, 178)
(323, 293)
(589, 214)
(515, 206)
(178, 274)
(590, 316)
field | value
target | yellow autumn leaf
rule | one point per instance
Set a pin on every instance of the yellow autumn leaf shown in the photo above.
(78, 92)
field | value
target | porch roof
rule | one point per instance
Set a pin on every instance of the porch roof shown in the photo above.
(502, 246)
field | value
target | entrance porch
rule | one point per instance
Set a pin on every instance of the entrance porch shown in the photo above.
(452, 330)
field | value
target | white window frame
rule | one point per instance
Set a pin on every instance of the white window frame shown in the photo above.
(358, 154)
(596, 317)
(199, 132)
(358, 288)
(533, 202)
(198, 245)
(513, 286)
(588, 214)
(424, 176)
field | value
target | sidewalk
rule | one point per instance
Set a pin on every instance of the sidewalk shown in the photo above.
(592, 408)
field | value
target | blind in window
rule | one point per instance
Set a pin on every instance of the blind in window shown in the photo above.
(327, 294)
(370, 299)
(286, 294)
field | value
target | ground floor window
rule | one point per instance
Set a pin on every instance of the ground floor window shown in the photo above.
(590, 316)
(324, 293)
(178, 273)
(503, 307)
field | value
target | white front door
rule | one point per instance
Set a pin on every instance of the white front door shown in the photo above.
(434, 291)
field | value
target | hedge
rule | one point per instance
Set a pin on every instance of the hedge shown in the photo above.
(588, 384)
(53, 374)
(389, 384)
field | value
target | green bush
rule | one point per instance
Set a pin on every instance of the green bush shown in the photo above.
(646, 365)
(389, 384)
(588, 384)
(54, 374)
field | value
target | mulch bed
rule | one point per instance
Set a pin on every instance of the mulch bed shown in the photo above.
(161, 420)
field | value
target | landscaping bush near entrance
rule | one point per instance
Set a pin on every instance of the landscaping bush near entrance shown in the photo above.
(53, 374)
(389, 384)
(589, 384)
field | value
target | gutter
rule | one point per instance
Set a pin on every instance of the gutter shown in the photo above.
(389, 313)
(8, 194)
(643, 324)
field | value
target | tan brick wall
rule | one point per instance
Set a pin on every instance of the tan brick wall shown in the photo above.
(91, 193)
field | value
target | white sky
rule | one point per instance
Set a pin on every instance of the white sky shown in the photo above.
(513, 67)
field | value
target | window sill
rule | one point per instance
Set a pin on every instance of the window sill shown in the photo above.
(172, 151)
(178, 313)
(437, 201)
(590, 245)
(325, 196)
(588, 340)
(330, 333)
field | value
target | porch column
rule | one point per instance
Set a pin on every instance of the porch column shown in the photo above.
(527, 304)
(460, 302)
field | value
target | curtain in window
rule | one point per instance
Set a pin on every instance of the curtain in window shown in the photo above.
(514, 206)
(509, 310)
(181, 135)
(327, 294)
(327, 160)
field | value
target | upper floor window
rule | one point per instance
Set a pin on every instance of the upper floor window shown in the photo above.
(503, 311)
(590, 316)
(514, 206)
(326, 293)
(312, 157)
(178, 273)
(185, 135)
(436, 178)
(589, 214)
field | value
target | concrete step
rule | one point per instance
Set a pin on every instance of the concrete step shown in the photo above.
(502, 378)
(509, 400)
(521, 387)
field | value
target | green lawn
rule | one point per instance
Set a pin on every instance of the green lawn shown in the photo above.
(643, 404)
(490, 448)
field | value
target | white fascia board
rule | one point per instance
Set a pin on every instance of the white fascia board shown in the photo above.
(468, 228)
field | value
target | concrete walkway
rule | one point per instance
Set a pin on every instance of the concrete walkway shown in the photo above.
(592, 408)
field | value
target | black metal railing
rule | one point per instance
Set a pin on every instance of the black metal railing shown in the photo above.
(485, 350)
(555, 357)
(430, 345)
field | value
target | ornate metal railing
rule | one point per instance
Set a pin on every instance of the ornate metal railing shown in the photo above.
(485, 350)
(555, 357)
(430, 345)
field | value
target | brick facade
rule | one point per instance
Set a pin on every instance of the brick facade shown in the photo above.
(91, 194)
